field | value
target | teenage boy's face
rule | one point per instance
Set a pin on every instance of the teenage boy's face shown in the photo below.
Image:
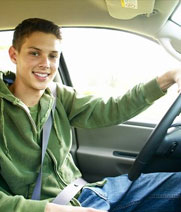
(37, 61)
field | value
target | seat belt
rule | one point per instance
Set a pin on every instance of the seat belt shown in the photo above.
(64, 197)
(46, 133)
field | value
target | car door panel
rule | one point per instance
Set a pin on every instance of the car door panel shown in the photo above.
(109, 151)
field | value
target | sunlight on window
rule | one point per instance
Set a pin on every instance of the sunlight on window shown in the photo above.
(5, 43)
(109, 62)
(176, 17)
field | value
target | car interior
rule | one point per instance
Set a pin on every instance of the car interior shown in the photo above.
(138, 145)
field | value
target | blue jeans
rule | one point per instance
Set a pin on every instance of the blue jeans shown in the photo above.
(155, 192)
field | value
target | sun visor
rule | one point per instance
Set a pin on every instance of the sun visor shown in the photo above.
(127, 9)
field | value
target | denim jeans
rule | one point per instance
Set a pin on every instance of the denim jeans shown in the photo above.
(155, 192)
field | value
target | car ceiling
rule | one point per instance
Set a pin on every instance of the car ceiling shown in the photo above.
(89, 13)
(148, 18)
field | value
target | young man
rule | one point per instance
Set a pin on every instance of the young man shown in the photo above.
(25, 105)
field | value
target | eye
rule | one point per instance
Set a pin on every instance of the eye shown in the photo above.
(34, 53)
(53, 56)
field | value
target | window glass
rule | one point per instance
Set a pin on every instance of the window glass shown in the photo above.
(5, 43)
(109, 62)
(176, 15)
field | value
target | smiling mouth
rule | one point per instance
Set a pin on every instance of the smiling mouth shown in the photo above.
(43, 75)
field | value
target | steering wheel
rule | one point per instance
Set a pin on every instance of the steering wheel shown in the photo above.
(154, 140)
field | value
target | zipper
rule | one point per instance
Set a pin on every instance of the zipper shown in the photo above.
(25, 108)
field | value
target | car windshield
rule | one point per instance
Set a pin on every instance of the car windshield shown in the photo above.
(176, 17)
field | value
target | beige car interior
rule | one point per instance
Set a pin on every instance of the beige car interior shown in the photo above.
(149, 18)
(146, 17)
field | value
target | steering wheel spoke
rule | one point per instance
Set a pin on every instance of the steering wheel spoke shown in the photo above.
(154, 140)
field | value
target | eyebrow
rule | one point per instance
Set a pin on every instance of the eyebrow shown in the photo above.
(33, 47)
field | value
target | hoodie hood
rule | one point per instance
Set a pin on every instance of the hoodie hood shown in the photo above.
(6, 79)
(11, 108)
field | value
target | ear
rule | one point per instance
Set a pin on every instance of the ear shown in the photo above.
(13, 54)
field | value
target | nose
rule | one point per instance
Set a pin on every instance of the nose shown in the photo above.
(44, 63)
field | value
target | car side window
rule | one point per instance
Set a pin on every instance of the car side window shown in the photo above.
(5, 43)
(109, 62)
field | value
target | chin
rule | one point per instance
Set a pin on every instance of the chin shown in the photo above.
(40, 87)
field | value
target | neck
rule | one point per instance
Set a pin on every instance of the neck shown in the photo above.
(29, 97)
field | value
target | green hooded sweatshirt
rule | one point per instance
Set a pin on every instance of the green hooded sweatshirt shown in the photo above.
(20, 138)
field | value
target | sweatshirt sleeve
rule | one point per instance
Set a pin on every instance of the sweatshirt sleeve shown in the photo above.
(95, 112)
(152, 91)
(9, 203)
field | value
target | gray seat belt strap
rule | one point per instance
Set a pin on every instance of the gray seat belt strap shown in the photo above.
(46, 133)
(70, 190)
(64, 197)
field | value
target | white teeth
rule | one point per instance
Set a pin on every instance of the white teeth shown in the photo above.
(41, 75)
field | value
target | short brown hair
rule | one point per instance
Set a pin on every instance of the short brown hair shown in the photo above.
(28, 26)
